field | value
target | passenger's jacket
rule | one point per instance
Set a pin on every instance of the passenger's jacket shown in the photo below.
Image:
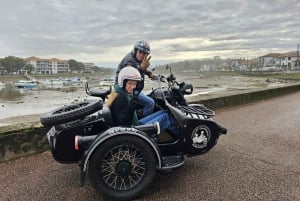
(122, 111)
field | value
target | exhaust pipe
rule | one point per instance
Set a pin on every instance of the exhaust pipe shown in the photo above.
(223, 130)
(151, 130)
(83, 141)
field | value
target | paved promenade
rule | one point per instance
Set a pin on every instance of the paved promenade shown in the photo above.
(259, 159)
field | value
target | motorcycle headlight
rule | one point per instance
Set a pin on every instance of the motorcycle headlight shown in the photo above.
(186, 88)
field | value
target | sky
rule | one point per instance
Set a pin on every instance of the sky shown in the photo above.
(103, 32)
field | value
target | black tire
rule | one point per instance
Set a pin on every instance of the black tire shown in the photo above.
(122, 167)
(71, 112)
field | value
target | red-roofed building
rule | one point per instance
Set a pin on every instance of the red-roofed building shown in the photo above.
(290, 59)
(270, 60)
(48, 66)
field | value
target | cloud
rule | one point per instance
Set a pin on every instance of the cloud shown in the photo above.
(103, 31)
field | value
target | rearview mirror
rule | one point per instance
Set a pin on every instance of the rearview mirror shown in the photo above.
(169, 67)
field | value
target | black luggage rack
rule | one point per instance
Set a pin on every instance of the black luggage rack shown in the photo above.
(199, 111)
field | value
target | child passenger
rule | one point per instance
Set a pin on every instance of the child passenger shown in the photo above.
(123, 103)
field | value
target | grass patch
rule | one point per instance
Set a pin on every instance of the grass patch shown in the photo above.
(9, 92)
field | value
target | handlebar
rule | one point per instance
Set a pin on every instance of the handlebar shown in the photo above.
(171, 79)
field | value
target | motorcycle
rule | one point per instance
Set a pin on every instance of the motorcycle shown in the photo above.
(122, 161)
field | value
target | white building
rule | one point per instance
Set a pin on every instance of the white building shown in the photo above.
(289, 60)
(280, 61)
(88, 67)
(270, 60)
(48, 66)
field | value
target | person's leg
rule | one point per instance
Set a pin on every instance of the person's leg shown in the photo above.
(164, 121)
(150, 117)
(147, 102)
(167, 123)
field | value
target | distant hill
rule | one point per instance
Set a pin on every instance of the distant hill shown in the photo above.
(104, 69)
(195, 65)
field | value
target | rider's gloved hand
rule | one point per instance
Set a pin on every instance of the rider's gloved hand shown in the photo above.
(155, 77)
(145, 64)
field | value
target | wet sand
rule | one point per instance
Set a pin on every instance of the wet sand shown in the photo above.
(34, 102)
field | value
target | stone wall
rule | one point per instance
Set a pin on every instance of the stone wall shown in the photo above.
(18, 143)
(248, 97)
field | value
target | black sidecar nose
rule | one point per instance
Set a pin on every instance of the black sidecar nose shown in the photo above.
(223, 130)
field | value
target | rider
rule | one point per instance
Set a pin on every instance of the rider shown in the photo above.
(139, 58)
(124, 101)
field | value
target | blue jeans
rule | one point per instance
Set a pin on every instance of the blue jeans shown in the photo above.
(147, 103)
(165, 121)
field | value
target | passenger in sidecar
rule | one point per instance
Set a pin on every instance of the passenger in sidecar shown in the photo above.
(123, 103)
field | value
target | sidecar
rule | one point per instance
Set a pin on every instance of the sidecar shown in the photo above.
(121, 161)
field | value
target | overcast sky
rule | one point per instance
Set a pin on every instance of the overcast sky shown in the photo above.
(102, 32)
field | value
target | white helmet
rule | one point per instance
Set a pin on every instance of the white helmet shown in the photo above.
(128, 73)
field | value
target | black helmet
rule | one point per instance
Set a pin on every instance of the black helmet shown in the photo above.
(143, 46)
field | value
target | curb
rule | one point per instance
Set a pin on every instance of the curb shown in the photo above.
(23, 142)
(31, 140)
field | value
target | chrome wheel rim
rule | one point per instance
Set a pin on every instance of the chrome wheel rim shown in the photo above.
(123, 167)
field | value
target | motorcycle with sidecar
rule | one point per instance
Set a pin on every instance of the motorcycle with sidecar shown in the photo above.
(122, 161)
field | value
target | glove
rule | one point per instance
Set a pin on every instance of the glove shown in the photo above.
(155, 77)
(145, 64)
(136, 94)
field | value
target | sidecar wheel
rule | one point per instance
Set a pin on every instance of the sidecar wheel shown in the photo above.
(122, 167)
(71, 112)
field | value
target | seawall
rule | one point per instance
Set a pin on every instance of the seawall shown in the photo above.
(30, 138)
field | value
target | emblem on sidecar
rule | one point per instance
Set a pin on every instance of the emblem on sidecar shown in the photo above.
(200, 136)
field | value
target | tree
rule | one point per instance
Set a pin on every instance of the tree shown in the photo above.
(12, 64)
(73, 65)
(29, 68)
(81, 66)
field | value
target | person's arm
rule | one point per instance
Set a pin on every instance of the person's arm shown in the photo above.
(149, 73)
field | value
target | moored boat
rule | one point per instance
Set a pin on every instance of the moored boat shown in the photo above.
(25, 84)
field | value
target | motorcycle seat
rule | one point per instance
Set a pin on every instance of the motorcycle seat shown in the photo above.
(101, 93)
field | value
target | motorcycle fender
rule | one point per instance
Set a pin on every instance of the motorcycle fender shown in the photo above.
(195, 144)
(112, 133)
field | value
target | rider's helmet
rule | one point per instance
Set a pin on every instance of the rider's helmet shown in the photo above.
(128, 73)
(141, 45)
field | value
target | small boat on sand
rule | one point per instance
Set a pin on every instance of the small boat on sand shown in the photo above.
(25, 84)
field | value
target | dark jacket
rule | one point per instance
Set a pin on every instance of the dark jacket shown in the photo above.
(123, 110)
(130, 60)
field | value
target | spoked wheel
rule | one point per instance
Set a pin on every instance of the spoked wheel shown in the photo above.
(71, 112)
(122, 168)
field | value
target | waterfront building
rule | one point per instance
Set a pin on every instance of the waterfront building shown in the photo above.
(48, 66)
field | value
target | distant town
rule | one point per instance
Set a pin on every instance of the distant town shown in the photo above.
(288, 61)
